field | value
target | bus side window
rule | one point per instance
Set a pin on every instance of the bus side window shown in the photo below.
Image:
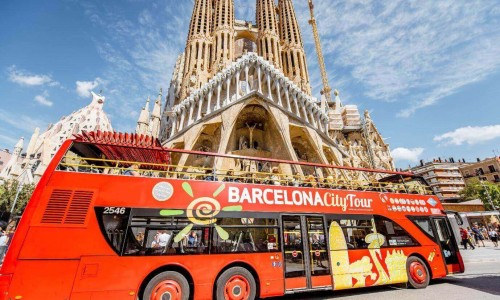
(246, 235)
(394, 234)
(355, 230)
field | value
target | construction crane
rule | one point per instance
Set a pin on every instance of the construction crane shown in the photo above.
(324, 76)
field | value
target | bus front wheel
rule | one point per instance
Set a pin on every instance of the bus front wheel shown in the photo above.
(167, 285)
(418, 274)
(236, 283)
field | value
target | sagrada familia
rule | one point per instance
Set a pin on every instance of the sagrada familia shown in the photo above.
(242, 88)
(238, 88)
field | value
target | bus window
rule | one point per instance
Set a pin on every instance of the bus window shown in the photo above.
(165, 236)
(246, 235)
(394, 234)
(113, 223)
(424, 223)
(355, 229)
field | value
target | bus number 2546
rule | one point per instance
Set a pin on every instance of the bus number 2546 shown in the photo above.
(110, 210)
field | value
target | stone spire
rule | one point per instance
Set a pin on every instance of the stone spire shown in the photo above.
(293, 54)
(32, 144)
(18, 147)
(143, 122)
(336, 122)
(156, 116)
(12, 168)
(338, 103)
(268, 40)
(223, 34)
(197, 53)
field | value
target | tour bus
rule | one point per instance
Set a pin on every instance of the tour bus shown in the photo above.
(117, 216)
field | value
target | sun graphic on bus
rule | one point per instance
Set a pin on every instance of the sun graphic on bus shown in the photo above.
(201, 211)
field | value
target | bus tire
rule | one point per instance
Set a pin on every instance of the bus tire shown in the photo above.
(170, 283)
(418, 273)
(236, 283)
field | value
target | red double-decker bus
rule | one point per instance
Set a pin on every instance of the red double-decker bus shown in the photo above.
(113, 217)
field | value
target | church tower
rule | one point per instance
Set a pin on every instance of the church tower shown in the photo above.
(268, 40)
(143, 122)
(243, 88)
(223, 34)
(197, 53)
(293, 54)
(156, 116)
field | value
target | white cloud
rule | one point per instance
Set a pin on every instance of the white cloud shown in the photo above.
(21, 122)
(83, 88)
(406, 154)
(42, 99)
(414, 52)
(140, 53)
(469, 135)
(27, 79)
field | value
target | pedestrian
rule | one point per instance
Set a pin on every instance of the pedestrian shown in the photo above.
(478, 236)
(3, 243)
(464, 234)
(10, 235)
(493, 236)
(484, 232)
(471, 236)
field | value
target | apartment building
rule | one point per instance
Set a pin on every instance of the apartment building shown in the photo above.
(487, 169)
(443, 176)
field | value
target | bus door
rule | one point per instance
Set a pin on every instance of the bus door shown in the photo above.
(306, 259)
(449, 247)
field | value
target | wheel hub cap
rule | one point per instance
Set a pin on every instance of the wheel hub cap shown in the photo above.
(167, 290)
(237, 288)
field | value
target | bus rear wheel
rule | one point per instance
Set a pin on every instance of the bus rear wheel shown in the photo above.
(418, 274)
(236, 283)
(167, 285)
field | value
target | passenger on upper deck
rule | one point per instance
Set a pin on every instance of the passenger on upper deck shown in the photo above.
(133, 170)
(209, 176)
(275, 177)
(251, 178)
(310, 182)
(329, 183)
(230, 177)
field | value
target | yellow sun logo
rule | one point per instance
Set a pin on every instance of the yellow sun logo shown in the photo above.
(201, 211)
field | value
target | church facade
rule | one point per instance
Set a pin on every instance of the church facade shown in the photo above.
(29, 165)
(244, 89)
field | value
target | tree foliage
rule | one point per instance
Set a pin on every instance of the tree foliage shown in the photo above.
(8, 190)
(476, 189)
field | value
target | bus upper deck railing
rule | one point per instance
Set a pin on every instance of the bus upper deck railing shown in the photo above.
(270, 175)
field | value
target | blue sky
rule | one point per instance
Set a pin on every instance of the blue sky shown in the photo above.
(428, 71)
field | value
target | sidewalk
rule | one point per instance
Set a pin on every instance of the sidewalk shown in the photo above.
(481, 254)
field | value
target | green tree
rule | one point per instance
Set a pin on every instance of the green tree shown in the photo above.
(476, 189)
(8, 192)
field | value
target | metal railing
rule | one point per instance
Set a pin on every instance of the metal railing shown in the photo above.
(268, 176)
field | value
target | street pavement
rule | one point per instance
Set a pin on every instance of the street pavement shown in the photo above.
(481, 280)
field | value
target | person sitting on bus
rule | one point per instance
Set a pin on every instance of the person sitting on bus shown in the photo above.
(192, 239)
(310, 182)
(209, 176)
(133, 170)
(275, 178)
(329, 182)
(251, 178)
(295, 180)
(230, 177)
(341, 185)
(162, 238)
